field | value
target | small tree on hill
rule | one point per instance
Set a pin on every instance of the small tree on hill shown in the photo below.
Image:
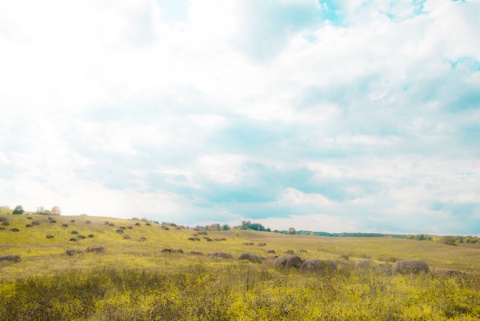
(55, 211)
(18, 210)
(291, 230)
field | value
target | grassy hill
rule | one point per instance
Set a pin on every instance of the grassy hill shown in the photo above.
(191, 286)
(40, 254)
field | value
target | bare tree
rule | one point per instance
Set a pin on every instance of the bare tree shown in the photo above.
(55, 210)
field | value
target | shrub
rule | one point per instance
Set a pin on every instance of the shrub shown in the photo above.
(410, 266)
(18, 210)
(10, 258)
(319, 265)
(292, 261)
(251, 257)
(98, 249)
(221, 255)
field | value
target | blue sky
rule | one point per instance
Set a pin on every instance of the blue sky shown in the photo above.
(339, 116)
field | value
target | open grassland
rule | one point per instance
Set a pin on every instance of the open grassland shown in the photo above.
(132, 279)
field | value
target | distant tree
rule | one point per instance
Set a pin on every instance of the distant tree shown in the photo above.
(246, 225)
(40, 210)
(291, 230)
(55, 211)
(225, 227)
(214, 227)
(18, 210)
(449, 240)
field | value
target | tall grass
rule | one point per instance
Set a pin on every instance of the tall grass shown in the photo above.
(238, 291)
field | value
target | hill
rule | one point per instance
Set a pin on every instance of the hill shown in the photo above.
(139, 278)
(34, 248)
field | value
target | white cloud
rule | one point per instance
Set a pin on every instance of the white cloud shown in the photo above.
(225, 110)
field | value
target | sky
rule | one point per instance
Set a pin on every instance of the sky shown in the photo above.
(323, 115)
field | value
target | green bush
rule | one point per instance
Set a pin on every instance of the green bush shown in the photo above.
(18, 210)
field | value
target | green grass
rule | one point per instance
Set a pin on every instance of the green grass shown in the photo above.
(133, 280)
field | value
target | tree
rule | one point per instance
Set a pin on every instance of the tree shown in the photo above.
(214, 227)
(291, 230)
(420, 237)
(225, 227)
(245, 225)
(55, 210)
(18, 210)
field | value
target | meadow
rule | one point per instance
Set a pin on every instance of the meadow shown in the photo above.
(134, 278)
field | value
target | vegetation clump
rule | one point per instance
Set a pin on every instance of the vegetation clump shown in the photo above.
(319, 266)
(410, 266)
(221, 255)
(10, 258)
(292, 261)
(252, 258)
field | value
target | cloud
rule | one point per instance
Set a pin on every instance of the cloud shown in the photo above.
(268, 25)
(361, 115)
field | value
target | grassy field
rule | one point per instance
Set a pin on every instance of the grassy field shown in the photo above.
(134, 280)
